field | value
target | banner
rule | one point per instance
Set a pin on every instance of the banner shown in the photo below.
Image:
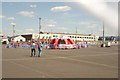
(16, 46)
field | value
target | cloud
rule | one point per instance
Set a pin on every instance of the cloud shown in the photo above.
(60, 8)
(51, 25)
(33, 6)
(10, 18)
(29, 30)
(93, 26)
(83, 23)
(49, 21)
(26, 13)
(2, 17)
(12, 23)
(25, 31)
(62, 28)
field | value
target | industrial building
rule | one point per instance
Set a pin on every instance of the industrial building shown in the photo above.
(74, 37)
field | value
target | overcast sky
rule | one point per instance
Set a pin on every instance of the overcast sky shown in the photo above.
(61, 17)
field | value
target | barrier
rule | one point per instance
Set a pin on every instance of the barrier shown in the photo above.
(68, 46)
(24, 46)
(17, 46)
(51, 46)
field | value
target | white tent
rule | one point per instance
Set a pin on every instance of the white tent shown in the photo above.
(19, 38)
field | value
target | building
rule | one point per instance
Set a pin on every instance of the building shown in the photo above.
(109, 38)
(18, 39)
(3, 39)
(75, 37)
(28, 37)
(46, 36)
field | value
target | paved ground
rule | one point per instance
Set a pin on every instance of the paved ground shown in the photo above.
(93, 62)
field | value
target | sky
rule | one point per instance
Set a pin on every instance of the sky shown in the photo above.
(62, 17)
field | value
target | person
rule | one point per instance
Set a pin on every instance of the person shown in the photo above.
(39, 49)
(14, 45)
(33, 49)
(7, 46)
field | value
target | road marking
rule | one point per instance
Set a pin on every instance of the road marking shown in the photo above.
(32, 70)
(89, 62)
(95, 55)
(84, 61)
(35, 58)
(28, 59)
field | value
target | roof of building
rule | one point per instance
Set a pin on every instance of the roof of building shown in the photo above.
(16, 36)
(28, 37)
(66, 33)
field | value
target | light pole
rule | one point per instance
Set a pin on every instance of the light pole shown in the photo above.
(39, 28)
(76, 36)
(103, 35)
(13, 25)
(51, 34)
(13, 29)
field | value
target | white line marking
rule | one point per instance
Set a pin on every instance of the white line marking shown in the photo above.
(28, 59)
(32, 69)
(35, 58)
(95, 55)
(89, 62)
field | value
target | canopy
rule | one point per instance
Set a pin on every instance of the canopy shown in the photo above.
(62, 40)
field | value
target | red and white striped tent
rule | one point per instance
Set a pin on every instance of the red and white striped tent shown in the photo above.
(62, 40)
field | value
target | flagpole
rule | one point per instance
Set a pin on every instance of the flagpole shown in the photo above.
(39, 27)
(103, 35)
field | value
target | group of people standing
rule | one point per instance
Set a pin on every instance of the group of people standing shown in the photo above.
(33, 49)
